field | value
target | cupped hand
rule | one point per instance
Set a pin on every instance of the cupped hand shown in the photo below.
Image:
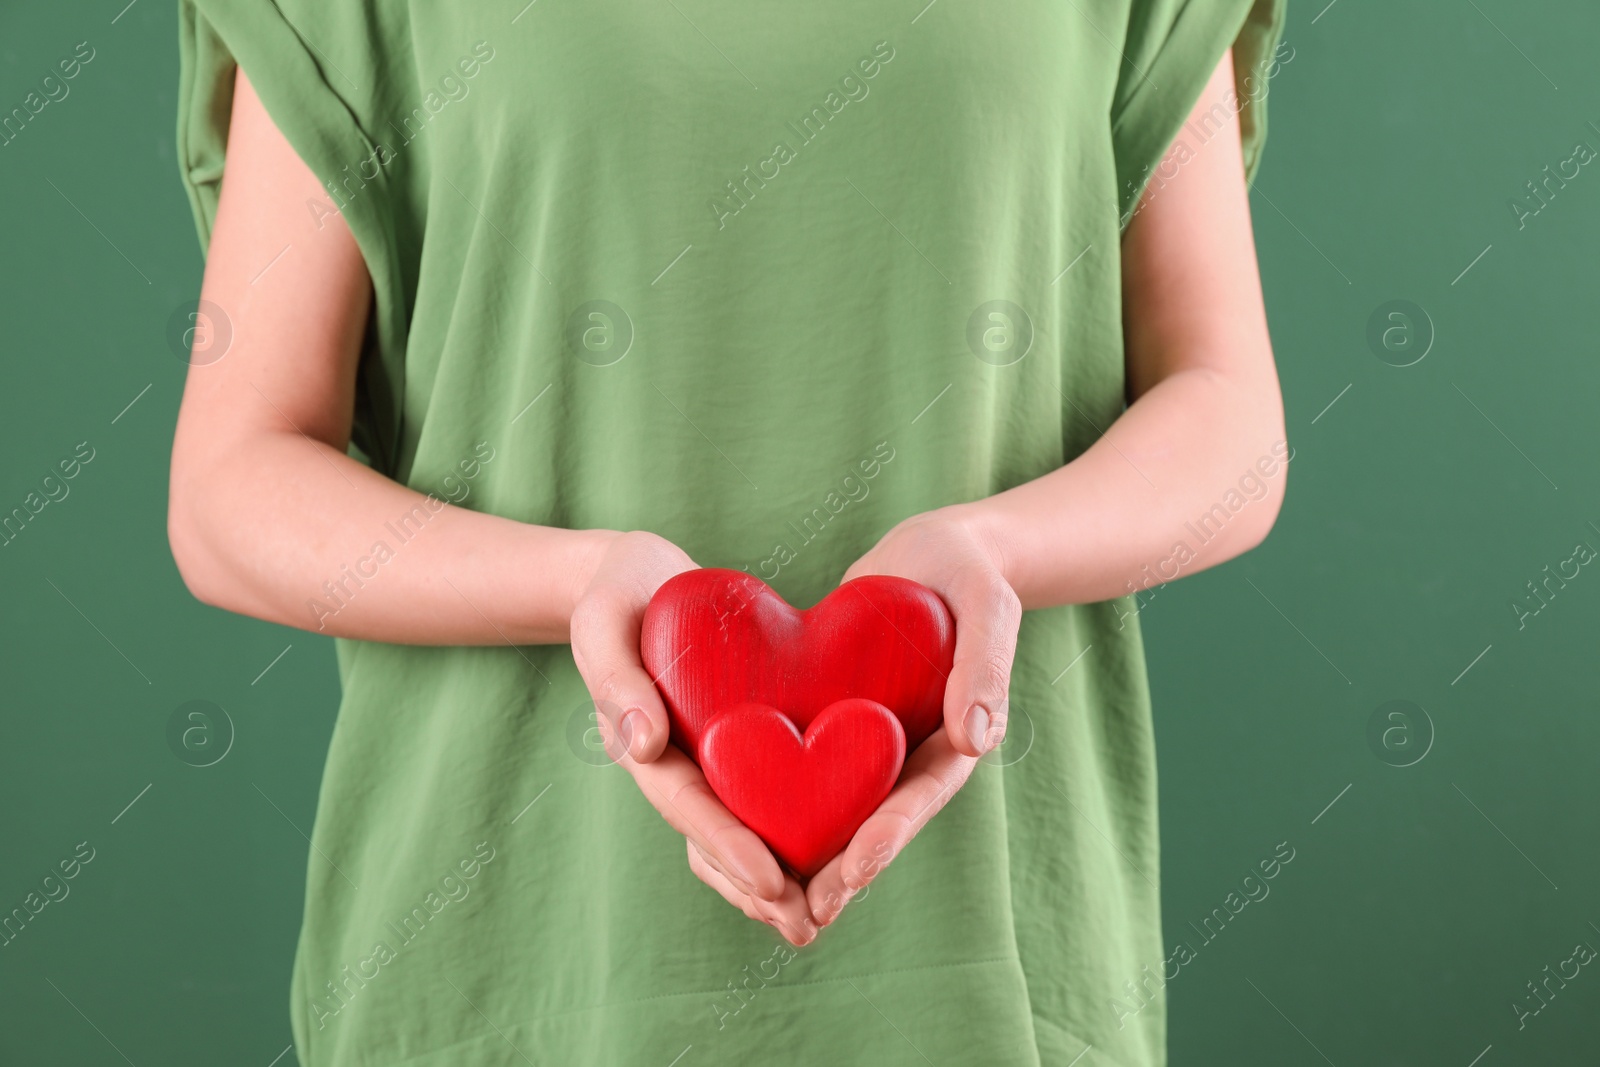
(723, 852)
(946, 551)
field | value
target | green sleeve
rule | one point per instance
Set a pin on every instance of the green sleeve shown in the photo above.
(327, 108)
(1170, 49)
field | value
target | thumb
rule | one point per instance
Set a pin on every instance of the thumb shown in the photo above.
(977, 693)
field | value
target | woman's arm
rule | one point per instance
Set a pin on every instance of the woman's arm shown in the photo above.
(265, 508)
(1204, 426)
(1206, 419)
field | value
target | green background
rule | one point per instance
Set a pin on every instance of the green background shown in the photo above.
(1422, 501)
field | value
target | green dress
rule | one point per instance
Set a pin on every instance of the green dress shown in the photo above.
(764, 279)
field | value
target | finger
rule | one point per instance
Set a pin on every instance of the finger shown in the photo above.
(861, 567)
(789, 915)
(708, 873)
(605, 646)
(977, 693)
(678, 790)
(730, 869)
(931, 777)
(826, 893)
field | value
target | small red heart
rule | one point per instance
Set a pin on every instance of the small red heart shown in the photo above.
(714, 638)
(804, 796)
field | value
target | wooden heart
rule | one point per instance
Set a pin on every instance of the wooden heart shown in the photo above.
(805, 796)
(715, 638)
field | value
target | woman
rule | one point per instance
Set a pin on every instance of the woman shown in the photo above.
(600, 292)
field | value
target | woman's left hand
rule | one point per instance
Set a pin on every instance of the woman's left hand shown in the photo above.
(946, 551)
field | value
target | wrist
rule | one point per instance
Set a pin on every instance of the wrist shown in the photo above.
(986, 529)
(553, 570)
(579, 562)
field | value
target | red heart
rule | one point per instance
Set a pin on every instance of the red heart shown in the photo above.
(805, 797)
(714, 638)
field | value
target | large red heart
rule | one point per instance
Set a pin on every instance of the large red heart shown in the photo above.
(804, 796)
(714, 638)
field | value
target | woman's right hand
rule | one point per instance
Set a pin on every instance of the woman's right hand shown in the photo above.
(723, 852)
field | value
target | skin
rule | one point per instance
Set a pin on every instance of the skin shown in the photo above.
(265, 505)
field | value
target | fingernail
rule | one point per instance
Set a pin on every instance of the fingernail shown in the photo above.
(634, 724)
(997, 731)
(978, 727)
